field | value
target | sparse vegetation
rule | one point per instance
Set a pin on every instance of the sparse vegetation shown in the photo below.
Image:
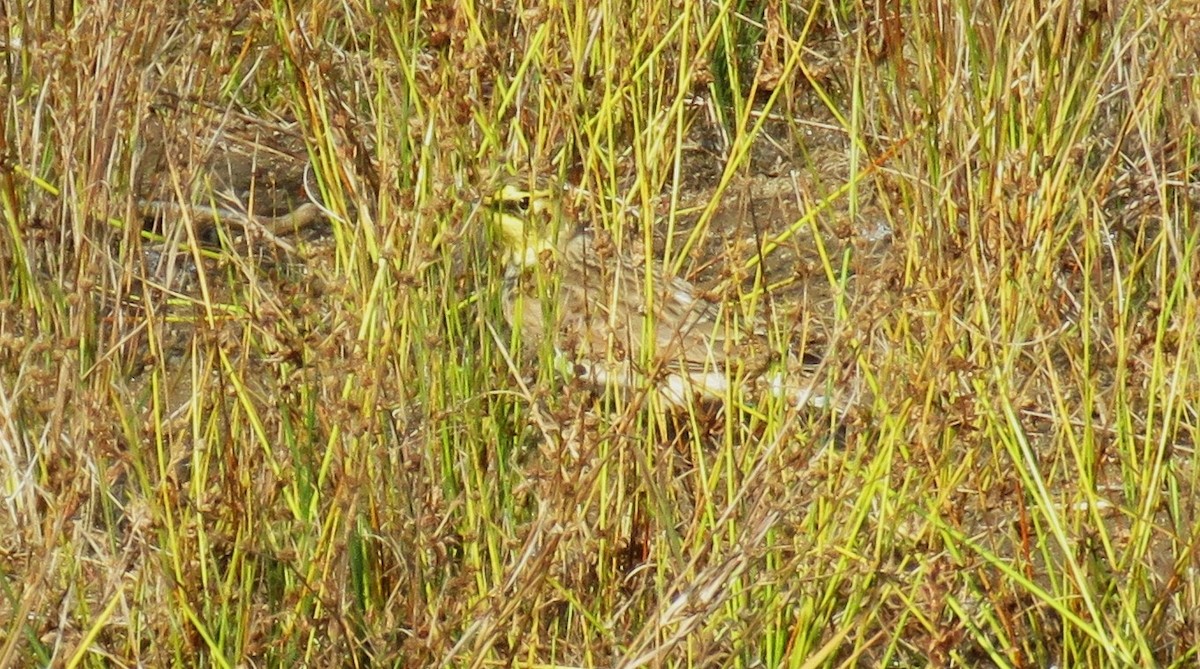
(258, 405)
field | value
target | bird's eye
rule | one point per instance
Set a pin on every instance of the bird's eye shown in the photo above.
(523, 203)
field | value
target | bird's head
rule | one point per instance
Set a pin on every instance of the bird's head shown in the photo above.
(526, 216)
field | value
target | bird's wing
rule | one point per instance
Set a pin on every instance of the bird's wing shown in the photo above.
(605, 312)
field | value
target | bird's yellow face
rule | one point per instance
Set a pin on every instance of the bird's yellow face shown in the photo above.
(524, 217)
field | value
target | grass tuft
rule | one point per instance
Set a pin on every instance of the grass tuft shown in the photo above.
(259, 404)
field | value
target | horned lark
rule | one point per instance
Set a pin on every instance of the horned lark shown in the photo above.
(618, 320)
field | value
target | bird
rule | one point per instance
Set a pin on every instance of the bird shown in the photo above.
(620, 320)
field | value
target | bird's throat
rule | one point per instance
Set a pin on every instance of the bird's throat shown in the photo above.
(522, 246)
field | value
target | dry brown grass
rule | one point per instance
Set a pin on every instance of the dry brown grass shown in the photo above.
(234, 433)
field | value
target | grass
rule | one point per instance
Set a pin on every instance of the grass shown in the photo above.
(221, 446)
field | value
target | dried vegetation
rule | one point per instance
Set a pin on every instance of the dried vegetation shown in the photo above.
(258, 406)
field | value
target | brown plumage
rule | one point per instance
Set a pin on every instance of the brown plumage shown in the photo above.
(597, 307)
